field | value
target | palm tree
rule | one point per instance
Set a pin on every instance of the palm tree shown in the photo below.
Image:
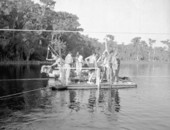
(167, 42)
(111, 43)
(151, 41)
(144, 50)
(136, 42)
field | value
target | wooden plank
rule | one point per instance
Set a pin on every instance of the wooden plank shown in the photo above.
(102, 86)
(56, 85)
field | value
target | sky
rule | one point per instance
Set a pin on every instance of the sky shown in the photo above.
(125, 19)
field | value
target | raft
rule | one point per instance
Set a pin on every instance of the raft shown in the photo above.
(56, 85)
(118, 85)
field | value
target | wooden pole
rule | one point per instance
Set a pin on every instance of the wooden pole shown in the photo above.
(98, 78)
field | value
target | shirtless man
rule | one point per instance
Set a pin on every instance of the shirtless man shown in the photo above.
(113, 65)
(92, 62)
(104, 64)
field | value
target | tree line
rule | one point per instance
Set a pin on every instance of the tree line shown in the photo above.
(32, 45)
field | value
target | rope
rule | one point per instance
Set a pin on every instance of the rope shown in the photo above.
(25, 30)
(66, 31)
(23, 79)
(10, 95)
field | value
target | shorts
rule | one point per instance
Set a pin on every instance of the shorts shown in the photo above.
(91, 65)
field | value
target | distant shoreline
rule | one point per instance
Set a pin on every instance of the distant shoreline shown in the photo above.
(24, 62)
(145, 62)
(49, 62)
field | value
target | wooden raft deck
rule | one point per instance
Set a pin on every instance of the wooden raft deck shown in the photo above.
(57, 85)
(102, 85)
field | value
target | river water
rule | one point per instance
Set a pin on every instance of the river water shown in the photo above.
(145, 107)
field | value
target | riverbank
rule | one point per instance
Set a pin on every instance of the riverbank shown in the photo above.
(24, 62)
(144, 62)
(49, 62)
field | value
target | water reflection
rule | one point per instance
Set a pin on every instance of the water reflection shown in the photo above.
(24, 102)
(10, 87)
(109, 100)
(104, 100)
(19, 71)
(74, 103)
(137, 108)
(92, 101)
(144, 69)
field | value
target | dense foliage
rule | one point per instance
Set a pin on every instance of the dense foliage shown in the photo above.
(32, 45)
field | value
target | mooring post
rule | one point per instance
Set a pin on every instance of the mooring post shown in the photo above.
(98, 78)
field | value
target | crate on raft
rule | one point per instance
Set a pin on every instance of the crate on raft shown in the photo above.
(46, 71)
(54, 84)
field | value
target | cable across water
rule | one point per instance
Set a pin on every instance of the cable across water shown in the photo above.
(1, 80)
(10, 95)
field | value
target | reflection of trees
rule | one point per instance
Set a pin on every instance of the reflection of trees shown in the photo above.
(31, 71)
(31, 99)
(23, 101)
(19, 71)
(11, 103)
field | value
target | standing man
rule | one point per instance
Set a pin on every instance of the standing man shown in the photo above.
(68, 63)
(117, 70)
(79, 63)
(113, 65)
(106, 65)
(92, 62)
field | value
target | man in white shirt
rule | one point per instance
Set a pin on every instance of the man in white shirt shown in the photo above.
(68, 63)
(79, 63)
(91, 60)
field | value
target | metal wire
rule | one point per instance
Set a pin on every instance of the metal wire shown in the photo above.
(10, 95)
(66, 31)
(1, 80)
(26, 30)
